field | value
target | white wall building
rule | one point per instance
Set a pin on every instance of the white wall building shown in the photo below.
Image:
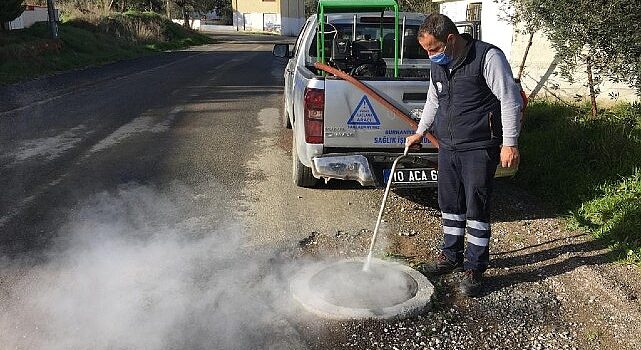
(285, 17)
(493, 30)
(31, 15)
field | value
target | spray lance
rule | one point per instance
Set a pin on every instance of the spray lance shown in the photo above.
(380, 212)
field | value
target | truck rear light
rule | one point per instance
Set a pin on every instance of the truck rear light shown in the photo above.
(314, 107)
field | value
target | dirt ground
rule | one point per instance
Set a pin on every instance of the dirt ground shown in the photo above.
(548, 287)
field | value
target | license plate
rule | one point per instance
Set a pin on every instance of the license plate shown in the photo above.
(411, 176)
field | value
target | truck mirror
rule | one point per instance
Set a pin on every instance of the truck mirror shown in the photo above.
(281, 50)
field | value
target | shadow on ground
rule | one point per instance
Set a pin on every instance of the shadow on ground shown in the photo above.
(539, 265)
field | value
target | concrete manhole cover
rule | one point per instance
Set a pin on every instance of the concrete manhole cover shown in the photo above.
(342, 290)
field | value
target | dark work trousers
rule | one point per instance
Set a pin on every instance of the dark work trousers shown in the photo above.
(464, 188)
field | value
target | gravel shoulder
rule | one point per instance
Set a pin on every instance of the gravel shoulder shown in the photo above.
(548, 287)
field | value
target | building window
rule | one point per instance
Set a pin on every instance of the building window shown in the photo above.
(271, 22)
(473, 11)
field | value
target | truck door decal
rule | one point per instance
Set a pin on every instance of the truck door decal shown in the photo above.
(364, 116)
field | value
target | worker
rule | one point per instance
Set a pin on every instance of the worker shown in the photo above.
(473, 108)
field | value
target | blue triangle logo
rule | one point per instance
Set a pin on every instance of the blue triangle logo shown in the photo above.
(364, 114)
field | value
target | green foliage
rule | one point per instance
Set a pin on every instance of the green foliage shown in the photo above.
(29, 53)
(138, 5)
(98, 8)
(616, 216)
(10, 10)
(567, 155)
(311, 7)
(420, 6)
(224, 9)
(602, 32)
(588, 168)
(103, 7)
(200, 6)
(521, 13)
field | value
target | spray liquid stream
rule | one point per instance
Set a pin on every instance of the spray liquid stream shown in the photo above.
(380, 212)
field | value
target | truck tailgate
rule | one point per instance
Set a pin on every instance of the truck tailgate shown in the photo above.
(353, 119)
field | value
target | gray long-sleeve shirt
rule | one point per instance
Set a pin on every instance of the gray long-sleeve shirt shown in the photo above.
(498, 75)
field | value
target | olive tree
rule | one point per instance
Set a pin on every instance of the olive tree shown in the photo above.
(524, 17)
(421, 6)
(310, 7)
(10, 10)
(189, 6)
(140, 5)
(601, 35)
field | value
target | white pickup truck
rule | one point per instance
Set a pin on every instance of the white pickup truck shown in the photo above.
(340, 132)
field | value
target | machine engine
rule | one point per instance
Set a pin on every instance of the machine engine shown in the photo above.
(361, 57)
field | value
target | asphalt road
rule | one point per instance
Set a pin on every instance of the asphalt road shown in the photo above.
(126, 208)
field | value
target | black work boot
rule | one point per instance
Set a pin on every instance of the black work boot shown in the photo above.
(472, 283)
(442, 265)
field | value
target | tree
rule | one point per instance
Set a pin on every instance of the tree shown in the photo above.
(311, 7)
(524, 17)
(189, 6)
(140, 5)
(421, 6)
(224, 9)
(576, 39)
(10, 10)
(603, 35)
(106, 5)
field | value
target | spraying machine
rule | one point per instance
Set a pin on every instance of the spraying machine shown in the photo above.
(358, 50)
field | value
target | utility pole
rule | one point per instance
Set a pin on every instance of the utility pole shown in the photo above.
(236, 14)
(53, 25)
(168, 8)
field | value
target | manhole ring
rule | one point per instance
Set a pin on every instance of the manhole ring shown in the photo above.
(418, 294)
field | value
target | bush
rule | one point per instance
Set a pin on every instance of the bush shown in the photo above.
(567, 155)
(587, 167)
(88, 41)
(616, 217)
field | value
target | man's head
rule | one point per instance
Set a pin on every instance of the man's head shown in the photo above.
(438, 36)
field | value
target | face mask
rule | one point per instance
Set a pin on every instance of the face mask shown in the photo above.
(441, 58)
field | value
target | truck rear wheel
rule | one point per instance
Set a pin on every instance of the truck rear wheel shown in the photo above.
(302, 174)
(286, 123)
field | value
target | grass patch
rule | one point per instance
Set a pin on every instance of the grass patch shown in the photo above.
(616, 217)
(588, 169)
(30, 53)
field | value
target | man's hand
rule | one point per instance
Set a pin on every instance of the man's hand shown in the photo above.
(413, 140)
(509, 156)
